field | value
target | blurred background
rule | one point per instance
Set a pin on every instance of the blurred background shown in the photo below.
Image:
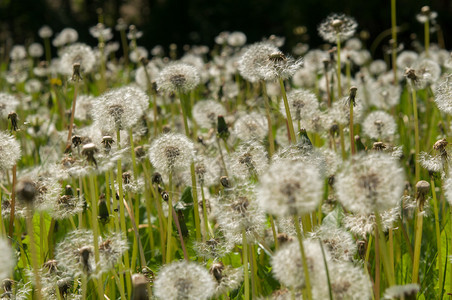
(199, 21)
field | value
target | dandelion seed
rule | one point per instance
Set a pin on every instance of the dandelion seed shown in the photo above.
(184, 280)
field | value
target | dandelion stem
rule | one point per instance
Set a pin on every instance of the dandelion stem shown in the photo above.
(271, 142)
(169, 227)
(13, 203)
(438, 233)
(330, 292)
(416, 135)
(292, 136)
(181, 237)
(204, 212)
(338, 65)
(352, 135)
(275, 235)
(394, 40)
(384, 252)
(34, 254)
(303, 257)
(427, 36)
(71, 122)
(95, 225)
(245, 264)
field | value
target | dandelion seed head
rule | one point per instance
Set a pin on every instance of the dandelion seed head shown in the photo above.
(206, 113)
(338, 242)
(17, 52)
(369, 183)
(287, 265)
(66, 36)
(290, 188)
(184, 280)
(443, 94)
(402, 291)
(406, 59)
(251, 126)
(35, 50)
(178, 77)
(227, 278)
(337, 26)
(302, 104)
(7, 260)
(10, 151)
(77, 53)
(8, 103)
(45, 32)
(171, 152)
(379, 125)
(249, 160)
(363, 225)
(252, 58)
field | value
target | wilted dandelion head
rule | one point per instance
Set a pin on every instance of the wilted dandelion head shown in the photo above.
(178, 77)
(337, 26)
(77, 53)
(443, 94)
(379, 125)
(287, 265)
(206, 112)
(249, 160)
(171, 152)
(184, 280)
(369, 183)
(10, 151)
(290, 188)
(251, 126)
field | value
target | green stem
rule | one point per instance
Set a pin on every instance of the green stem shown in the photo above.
(204, 212)
(271, 142)
(275, 235)
(245, 264)
(427, 36)
(292, 136)
(330, 292)
(95, 225)
(352, 135)
(303, 257)
(384, 252)
(338, 66)
(438, 234)
(34, 253)
(169, 227)
(394, 40)
(13, 203)
(416, 135)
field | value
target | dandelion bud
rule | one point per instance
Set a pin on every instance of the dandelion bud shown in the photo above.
(224, 180)
(222, 128)
(107, 141)
(422, 187)
(14, 119)
(140, 283)
(89, 150)
(84, 253)
(379, 146)
(440, 146)
(76, 76)
(283, 238)
(26, 191)
(126, 177)
(165, 196)
(76, 140)
(139, 152)
(157, 178)
(103, 216)
(69, 191)
(352, 96)
(216, 269)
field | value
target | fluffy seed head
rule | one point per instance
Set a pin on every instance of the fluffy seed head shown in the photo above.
(178, 77)
(290, 188)
(7, 259)
(206, 113)
(255, 56)
(251, 126)
(249, 160)
(171, 152)
(337, 26)
(10, 151)
(184, 280)
(302, 103)
(379, 125)
(77, 53)
(369, 183)
(443, 94)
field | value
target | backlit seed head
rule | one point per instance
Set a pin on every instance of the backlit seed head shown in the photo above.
(337, 26)
(178, 77)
